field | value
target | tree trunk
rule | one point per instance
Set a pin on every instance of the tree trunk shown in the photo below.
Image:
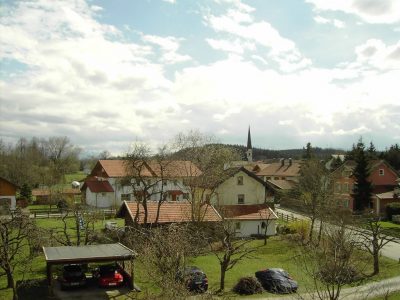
(10, 279)
(376, 263)
(311, 229)
(222, 278)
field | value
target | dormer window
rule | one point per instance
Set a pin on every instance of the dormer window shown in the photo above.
(381, 172)
(240, 180)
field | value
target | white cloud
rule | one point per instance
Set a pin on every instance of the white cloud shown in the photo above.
(170, 1)
(241, 25)
(371, 11)
(170, 46)
(335, 22)
(375, 53)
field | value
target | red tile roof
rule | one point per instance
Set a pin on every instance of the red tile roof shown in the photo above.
(248, 212)
(101, 186)
(170, 212)
(174, 168)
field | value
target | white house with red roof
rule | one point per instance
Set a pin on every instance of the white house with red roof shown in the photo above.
(113, 181)
(245, 199)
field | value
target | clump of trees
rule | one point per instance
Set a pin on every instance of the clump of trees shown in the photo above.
(38, 160)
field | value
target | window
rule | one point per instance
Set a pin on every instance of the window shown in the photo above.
(240, 199)
(276, 178)
(338, 187)
(237, 225)
(345, 187)
(263, 225)
(185, 196)
(125, 197)
(267, 178)
(381, 172)
(240, 180)
(346, 203)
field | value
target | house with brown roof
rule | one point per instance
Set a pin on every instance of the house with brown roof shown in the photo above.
(166, 212)
(286, 169)
(113, 181)
(8, 192)
(45, 195)
(256, 219)
(383, 177)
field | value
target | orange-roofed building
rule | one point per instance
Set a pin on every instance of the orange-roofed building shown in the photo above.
(169, 212)
(127, 180)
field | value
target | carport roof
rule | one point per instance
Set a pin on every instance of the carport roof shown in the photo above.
(88, 253)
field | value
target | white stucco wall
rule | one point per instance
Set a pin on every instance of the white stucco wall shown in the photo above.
(13, 201)
(228, 191)
(248, 228)
(101, 200)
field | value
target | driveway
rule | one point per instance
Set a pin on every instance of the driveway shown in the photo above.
(367, 291)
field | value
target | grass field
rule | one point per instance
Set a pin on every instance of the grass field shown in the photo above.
(277, 253)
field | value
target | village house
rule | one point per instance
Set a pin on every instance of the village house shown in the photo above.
(167, 212)
(113, 181)
(8, 191)
(383, 177)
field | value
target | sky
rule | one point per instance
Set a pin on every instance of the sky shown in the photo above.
(109, 73)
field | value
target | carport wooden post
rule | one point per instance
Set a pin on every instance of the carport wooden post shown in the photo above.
(49, 279)
(132, 274)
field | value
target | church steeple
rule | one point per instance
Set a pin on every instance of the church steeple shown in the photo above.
(249, 151)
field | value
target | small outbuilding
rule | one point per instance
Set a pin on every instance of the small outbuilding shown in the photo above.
(8, 192)
(88, 254)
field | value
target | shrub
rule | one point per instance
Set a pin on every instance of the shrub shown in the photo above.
(247, 286)
(392, 209)
(302, 228)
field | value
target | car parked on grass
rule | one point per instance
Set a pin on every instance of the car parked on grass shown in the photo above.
(194, 278)
(109, 275)
(276, 280)
(72, 276)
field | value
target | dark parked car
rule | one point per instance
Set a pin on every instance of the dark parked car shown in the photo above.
(277, 281)
(109, 275)
(194, 278)
(72, 276)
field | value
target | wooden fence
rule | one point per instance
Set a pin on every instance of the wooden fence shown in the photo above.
(286, 218)
(56, 213)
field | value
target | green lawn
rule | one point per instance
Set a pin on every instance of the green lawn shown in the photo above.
(277, 253)
(68, 178)
(391, 228)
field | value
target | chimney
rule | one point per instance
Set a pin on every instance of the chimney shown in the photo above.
(290, 161)
(282, 162)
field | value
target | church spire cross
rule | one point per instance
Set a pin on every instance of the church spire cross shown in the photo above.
(249, 140)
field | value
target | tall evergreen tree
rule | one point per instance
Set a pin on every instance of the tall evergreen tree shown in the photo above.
(362, 187)
(308, 152)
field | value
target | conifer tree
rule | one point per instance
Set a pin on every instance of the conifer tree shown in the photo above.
(362, 187)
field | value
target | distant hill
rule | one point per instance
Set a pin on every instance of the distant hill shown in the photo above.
(262, 154)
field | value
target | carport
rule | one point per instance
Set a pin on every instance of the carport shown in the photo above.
(88, 254)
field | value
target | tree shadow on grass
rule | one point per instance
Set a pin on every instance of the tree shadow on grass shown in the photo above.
(32, 289)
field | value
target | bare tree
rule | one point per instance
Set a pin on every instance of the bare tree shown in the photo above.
(78, 227)
(211, 158)
(333, 263)
(374, 238)
(147, 175)
(14, 233)
(315, 192)
(229, 249)
(164, 259)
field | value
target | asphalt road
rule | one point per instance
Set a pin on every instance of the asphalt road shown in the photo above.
(390, 250)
